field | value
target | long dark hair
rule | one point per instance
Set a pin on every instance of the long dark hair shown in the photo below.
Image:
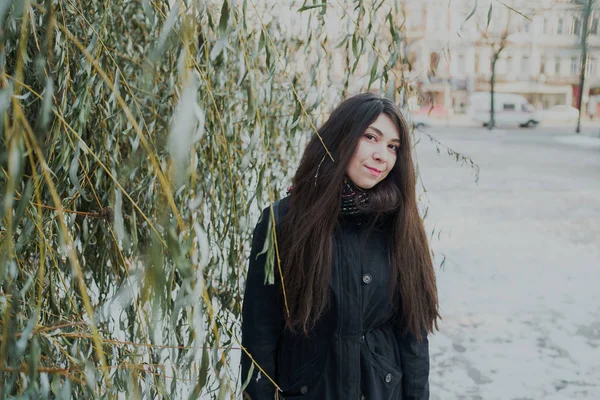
(314, 209)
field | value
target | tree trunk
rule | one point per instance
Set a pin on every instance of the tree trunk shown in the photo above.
(492, 122)
(584, 34)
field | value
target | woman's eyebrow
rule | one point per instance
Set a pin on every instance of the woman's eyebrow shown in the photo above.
(380, 134)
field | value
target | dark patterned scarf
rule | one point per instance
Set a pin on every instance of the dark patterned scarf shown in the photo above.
(352, 197)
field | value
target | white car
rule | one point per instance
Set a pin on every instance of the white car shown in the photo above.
(509, 108)
(560, 114)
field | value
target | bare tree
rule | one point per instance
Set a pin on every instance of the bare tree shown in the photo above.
(586, 8)
(497, 40)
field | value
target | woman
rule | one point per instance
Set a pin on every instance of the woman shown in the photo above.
(358, 298)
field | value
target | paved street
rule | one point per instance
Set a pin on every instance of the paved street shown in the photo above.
(519, 288)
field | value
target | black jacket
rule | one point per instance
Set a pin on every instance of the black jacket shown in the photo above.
(359, 348)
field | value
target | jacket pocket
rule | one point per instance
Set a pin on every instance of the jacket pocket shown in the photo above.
(301, 367)
(381, 377)
(305, 381)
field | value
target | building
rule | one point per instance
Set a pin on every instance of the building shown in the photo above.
(541, 60)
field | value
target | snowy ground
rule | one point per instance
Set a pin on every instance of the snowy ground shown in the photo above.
(519, 290)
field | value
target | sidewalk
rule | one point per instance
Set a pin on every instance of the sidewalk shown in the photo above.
(589, 128)
(580, 140)
(518, 286)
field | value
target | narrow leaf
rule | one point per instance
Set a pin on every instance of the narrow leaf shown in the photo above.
(512, 9)
(373, 72)
(472, 12)
(21, 344)
(268, 249)
(46, 109)
(24, 202)
(119, 226)
(73, 173)
(322, 5)
(247, 381)
(224, 17)
(5, 99)
(168, 25)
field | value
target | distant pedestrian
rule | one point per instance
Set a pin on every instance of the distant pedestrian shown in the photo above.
(350, 319)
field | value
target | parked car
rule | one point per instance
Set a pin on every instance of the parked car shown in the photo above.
(509, 108)
(562, 113)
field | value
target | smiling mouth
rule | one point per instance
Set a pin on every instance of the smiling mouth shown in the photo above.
(374, 171)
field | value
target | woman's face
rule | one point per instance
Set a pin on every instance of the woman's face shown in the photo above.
(376, 153)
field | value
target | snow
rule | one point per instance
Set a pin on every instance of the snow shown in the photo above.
(579, 140)
(518, 290)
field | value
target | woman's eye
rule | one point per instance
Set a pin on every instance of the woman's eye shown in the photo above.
(369, 136)
(394, 147)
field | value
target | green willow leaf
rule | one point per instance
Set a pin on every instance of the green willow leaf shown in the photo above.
(21, 344)
(373, 74)
(305, 8)
(224, 18)
(119, 225)
(33, 362)
(65, 391)
(73, 172)
(46, 110)
(148, 11)
(475, 4)
(23, 202)
(24, 236)
(166, 30)
(269, 251)
(4, 6)
(5, 94)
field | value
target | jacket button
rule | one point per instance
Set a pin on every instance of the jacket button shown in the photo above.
(388, 378)
(304, 389)
(367, 278)
(362, 397)
(362, 338)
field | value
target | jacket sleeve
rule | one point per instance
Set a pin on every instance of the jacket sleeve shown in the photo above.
(262, 318)
(415, 366)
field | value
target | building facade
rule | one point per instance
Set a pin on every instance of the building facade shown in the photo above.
(451, 52)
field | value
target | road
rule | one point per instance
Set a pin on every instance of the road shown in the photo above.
(518, 288)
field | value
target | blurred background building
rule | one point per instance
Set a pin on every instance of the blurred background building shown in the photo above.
(450, 47)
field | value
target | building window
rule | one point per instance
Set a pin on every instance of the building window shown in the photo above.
(509, 62)
(543, 65)
(574, 65)
(415, 22)
(476, 66)
(591, 66)
(557, 66)
(525, 65)
(461, 64)
(559, 27)
(594, 29)
(546, 24)
(437, 20)
(575, 26)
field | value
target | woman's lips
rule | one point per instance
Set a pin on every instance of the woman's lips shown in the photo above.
(374, 171)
